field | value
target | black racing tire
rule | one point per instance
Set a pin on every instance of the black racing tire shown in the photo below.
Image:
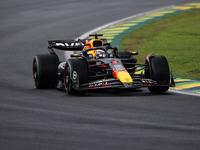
(79, 67)
(159, 72)
(45, 71)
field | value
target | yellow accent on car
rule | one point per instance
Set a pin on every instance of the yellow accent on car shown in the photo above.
(75, 55)
(93, 52)
(93, 43)
(95, 40)
(124, 77)
(134, 52)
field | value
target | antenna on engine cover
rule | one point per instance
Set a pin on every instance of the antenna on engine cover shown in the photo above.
(96, 35)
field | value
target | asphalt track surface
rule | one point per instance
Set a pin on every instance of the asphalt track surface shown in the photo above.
(32, 119)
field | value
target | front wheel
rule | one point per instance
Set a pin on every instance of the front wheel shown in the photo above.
(68, 80)
(75, 74)
(159, 72)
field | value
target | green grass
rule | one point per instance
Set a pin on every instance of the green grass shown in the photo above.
(177, 37)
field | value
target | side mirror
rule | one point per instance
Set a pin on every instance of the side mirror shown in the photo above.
(134, 53)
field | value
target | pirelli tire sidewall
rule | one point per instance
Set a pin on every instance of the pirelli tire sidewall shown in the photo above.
(159, 72)
(75, 73)
(45, 70)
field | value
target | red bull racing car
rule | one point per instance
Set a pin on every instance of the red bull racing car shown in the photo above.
(98, 65)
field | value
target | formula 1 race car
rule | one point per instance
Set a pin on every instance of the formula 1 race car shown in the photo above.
(97, 66)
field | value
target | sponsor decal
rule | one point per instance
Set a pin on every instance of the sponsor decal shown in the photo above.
(75, 80)
(69, 44)
(119, 67)
(74, 76)
(148, 81)
(98, 83)
(62, 65)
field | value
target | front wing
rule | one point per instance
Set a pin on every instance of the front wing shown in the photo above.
(115, 83)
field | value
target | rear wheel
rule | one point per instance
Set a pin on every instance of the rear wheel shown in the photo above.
(159, 72)
(75, 73)
(45, 71)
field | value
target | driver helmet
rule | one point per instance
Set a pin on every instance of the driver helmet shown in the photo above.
(100, 54)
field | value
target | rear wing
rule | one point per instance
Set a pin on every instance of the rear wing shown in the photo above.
(70, 45)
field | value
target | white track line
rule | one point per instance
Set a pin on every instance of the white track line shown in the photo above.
(85, 35)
